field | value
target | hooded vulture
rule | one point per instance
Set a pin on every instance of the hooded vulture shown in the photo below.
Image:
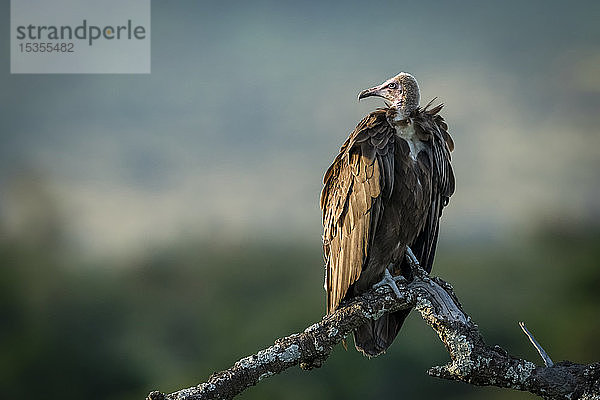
(384, 192)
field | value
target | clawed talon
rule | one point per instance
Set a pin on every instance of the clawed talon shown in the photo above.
(391, 281)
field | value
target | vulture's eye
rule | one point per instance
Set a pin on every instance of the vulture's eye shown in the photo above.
(393, 85)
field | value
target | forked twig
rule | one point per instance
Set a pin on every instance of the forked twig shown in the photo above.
(547, 361)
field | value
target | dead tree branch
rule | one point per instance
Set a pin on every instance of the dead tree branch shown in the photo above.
(472, 361)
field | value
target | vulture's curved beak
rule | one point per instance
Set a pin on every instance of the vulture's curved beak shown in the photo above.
(374, 91)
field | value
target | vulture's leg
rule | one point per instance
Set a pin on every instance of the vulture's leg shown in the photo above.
(391, 281)
(411, 258)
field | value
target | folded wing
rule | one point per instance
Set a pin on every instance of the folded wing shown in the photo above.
(355, 186)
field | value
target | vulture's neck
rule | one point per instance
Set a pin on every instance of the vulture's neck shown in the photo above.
(405, 129)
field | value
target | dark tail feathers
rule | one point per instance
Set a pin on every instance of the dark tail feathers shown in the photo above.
(374, 337)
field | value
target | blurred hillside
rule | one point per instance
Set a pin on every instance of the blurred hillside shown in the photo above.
(247, 105)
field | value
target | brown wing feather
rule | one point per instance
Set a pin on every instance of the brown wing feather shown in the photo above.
(351, 201)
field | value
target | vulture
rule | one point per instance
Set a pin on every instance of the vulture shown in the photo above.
(382, 200)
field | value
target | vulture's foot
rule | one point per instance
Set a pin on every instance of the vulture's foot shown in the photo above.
(391, 281)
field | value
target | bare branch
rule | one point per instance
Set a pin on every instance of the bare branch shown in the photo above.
(472, 361)
(547, 360)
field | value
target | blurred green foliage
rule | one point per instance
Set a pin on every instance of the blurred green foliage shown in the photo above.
(114, 330)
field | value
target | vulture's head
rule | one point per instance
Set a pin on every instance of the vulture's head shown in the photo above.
(400, 92)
